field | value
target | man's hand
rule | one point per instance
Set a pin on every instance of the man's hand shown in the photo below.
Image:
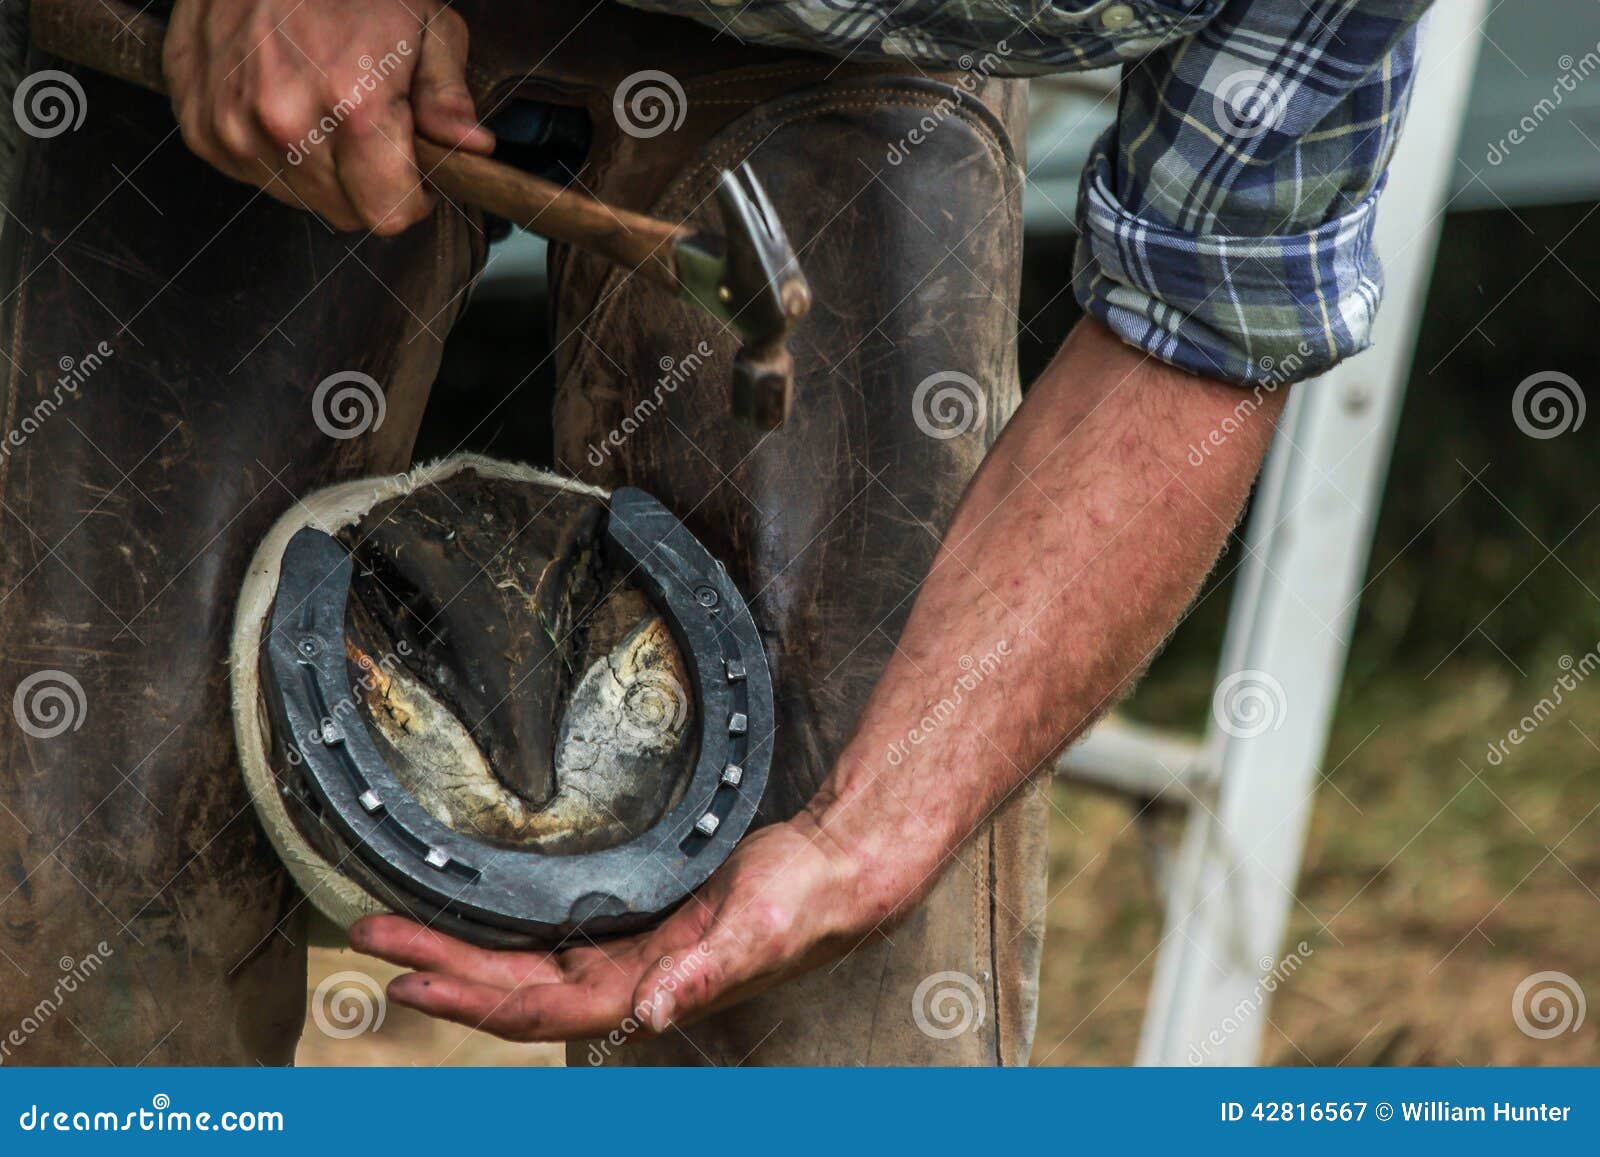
(317, 102)
(785, 901)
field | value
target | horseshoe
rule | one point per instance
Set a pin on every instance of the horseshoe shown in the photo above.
(485, 892)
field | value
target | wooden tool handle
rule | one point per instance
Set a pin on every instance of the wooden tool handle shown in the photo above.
(113, 37)
(627, 238)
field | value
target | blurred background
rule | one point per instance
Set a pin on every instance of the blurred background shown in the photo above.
(1435, 878)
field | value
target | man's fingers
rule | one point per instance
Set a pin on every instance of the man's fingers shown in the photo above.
(374, 157)
(754, 923)
(464, 1001)
(401, 941)
(311, 185)
(439, 95)
(295, 168)
(179, 47)
(547, 1012)
(327, 208)
(261, 149)
(267, 92)
(198, 135)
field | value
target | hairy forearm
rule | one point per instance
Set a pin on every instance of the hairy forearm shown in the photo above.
(1080, 542)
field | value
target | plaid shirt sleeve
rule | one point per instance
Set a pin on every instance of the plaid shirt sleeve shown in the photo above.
(1036, 37)
(1226, 217)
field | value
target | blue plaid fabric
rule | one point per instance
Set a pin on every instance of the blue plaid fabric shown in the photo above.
(1226, 217)
(1040, 37)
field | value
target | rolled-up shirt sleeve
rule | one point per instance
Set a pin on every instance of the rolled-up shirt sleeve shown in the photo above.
(1226, 218)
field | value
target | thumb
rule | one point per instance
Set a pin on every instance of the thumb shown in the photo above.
(440, 101)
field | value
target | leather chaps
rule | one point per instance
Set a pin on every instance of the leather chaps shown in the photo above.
(164, 332)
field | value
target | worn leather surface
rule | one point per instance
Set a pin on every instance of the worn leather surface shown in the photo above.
(830, 523)
(129, 516)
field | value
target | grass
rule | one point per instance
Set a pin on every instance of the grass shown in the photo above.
(1434, 883)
